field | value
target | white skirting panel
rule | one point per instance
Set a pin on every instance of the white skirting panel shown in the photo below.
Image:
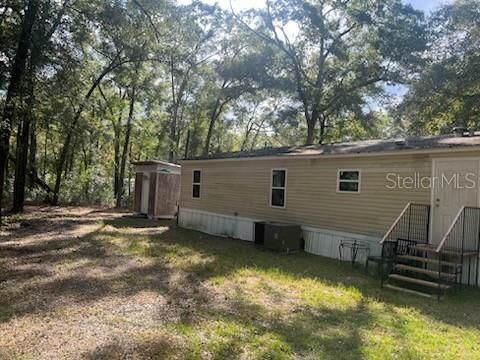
(473, 268)
(216, 224)
(317, 241)
(326, 243)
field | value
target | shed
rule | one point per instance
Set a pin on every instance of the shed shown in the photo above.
(157, 189)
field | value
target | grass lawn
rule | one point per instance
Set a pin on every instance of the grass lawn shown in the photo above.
(135, 288)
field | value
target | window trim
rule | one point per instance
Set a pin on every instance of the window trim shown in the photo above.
(197, 183)
(284, 188)
(359, 181)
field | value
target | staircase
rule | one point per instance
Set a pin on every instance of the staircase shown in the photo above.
(422, 272)
(428, 270)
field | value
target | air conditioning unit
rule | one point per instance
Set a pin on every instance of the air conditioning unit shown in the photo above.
(279, 236)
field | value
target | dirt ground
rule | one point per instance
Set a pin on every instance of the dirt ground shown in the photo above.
(64, 294)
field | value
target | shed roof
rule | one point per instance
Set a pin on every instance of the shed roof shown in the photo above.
(154, 162)
(352, 148)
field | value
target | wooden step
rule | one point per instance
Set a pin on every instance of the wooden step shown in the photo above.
(418, 281)
(428, 260)
(420, 270)
(433, 249)
(408, 291)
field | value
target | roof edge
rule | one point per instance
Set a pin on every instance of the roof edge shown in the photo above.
(154, 162)
(330, 156)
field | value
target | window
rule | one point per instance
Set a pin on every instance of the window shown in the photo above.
(197, 177)
(348, 181)
(279, 184)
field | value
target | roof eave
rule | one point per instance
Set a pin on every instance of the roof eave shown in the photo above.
(330, 156)
(153, 162)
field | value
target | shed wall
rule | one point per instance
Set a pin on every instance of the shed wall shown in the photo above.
(168, 194)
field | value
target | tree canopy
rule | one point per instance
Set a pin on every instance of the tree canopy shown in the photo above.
(87, 87)
(446, 92)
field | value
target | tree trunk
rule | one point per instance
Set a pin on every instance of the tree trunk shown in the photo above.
(322, 129)
(173, 120)
(23, 138)
(86, 164)
(117, 132)
(36, 180)
(310, 134)
(211, 125)
(255, 137)
(130, 172)
(73, 125)
(249, 128)
(125, 149)
(177, 97)
(45, 150)
(32, 154)
(217, 110)
(116, 155)
(71, 159)
(21, 165)
(14, 90)
(311, 123)
(26, 137)
(187, 144)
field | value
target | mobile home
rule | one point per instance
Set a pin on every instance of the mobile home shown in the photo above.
(357, 191)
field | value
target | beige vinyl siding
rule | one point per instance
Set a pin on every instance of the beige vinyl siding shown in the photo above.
(242, 188)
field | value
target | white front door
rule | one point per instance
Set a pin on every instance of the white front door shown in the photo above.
(145, 191)
(455, 184)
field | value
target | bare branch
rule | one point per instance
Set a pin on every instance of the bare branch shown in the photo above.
(150, 20)
(344, 92)
(337, 39)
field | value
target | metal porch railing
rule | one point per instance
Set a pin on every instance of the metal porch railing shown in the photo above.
(462, 241)
(412, 224)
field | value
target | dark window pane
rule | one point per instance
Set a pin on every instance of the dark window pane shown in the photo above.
(278, 197)
(348, 186)
(278, 178)
(196, 176)
(349, 175)
(196, 191)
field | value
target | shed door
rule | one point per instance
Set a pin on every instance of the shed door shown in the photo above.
(145, 191)
(454, 185)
